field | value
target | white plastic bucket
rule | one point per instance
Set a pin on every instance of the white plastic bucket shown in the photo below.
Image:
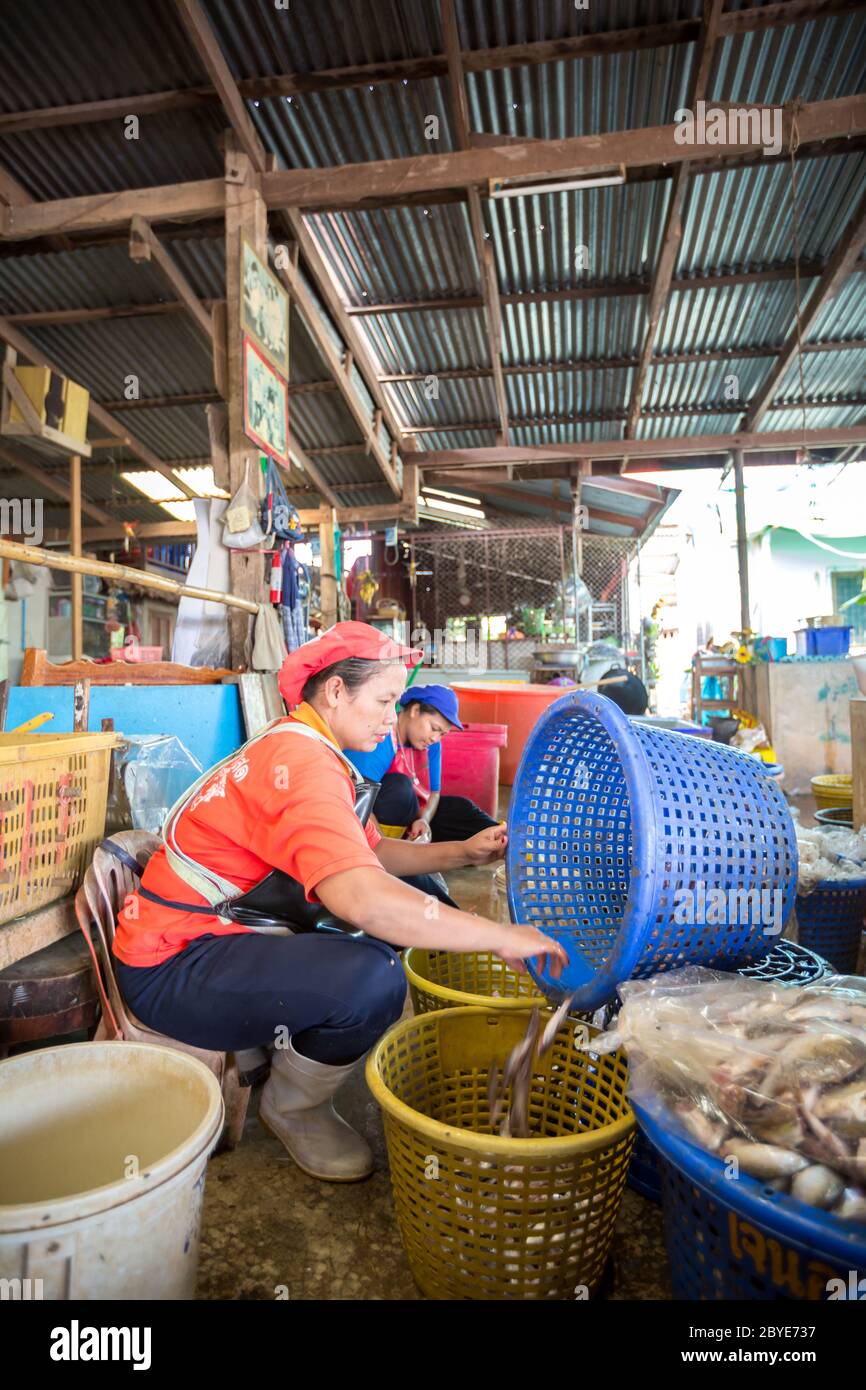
(103, 1149)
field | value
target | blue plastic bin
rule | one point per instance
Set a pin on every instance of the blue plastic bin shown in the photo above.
(617, 834)
(823, 641)
(830, 921)
(771, 648)
(786, 964)
(741, 1240)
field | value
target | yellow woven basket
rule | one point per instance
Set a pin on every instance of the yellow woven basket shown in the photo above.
(486, 1217)
(833, 789)
(53, 790)
(446, 979)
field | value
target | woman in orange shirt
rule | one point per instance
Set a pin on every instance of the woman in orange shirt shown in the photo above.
(209, 952)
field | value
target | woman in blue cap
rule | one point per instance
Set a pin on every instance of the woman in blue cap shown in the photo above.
(408, 764)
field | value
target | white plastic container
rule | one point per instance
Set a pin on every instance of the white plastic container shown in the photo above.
(103, 1150)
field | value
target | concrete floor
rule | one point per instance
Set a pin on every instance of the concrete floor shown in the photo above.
(270, 1231)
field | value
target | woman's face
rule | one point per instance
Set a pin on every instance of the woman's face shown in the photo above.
(423, 730)
(362, 718)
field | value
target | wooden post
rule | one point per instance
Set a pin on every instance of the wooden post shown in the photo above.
(76, 582)
(246, 217)
(328, 576)
(742, 542)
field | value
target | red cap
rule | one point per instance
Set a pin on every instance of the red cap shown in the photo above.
(336, 644)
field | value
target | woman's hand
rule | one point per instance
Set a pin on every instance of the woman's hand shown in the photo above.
(527, 943)
(487, 846)
(419, 831)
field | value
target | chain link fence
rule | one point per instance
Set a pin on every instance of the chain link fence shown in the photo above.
(481, 583)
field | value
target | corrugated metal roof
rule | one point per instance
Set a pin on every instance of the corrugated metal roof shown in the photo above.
(731, 220)
(405, 343)
(744, 218)
(731, 382)
(458, 401)
(826, 374)
(814, 62)
(101, 356)
(419, 254)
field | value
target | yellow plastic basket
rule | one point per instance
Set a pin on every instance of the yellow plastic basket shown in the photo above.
(833, 789)
(446, 979)
(486, 1217)
(53, 790)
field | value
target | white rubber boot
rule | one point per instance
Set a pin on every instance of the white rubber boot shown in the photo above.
(296, 1107)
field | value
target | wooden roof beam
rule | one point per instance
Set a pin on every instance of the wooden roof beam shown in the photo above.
(483, 251)
(335, 364)
(205, 44)
(839, 267)
(234, 106)
(672, 236)
(351, 183)
(144, 246)
(356, 341)
(707, 280)
(599, 417)
(756, 441)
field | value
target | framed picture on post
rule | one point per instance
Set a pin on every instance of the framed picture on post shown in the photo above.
(266, 404)
(264, 309)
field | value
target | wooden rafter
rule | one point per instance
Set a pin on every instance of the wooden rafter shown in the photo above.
(334, 363)
(351, 183)
(483, 250)
(602, 364)
(673, 231)
(641, 448)
(839, 267)
(598, 417)
(609, 289)
(810, 269)
(144, 245)
(646, 36)
(208, 49)
(233, 103)
(356, 342)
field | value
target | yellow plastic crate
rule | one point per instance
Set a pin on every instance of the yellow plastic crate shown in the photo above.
(53, 792)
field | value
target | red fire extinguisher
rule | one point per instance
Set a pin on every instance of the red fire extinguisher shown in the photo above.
(276, 589)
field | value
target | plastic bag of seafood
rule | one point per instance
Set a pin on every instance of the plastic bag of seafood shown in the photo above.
(771, 1080)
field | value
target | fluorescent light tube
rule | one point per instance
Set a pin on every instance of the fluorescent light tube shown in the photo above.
(523, 190)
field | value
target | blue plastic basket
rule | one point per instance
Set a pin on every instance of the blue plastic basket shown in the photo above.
(830, 920)
(787, 964)
(612, 824)
(738, 1239)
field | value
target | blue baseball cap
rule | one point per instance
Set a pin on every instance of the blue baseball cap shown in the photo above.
(441, 697)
